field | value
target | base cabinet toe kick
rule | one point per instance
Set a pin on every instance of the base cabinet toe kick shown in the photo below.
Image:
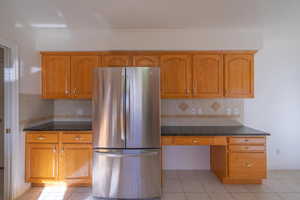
(234, 159)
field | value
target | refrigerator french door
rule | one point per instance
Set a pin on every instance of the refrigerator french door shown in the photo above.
(126, 133)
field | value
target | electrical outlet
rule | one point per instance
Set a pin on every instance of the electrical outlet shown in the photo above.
(200, 112)
(193, 111)
(228, 111)
(236, 111)
(79, 112)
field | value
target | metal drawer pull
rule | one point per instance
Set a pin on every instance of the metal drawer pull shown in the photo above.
(246, 140)
(77, 138)
(40, 138)
(75, 91)
(248, 164)
(124, 155)
(195, 141)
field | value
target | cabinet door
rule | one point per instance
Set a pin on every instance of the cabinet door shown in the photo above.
(41, 163)
(115, 61)
(81, 76)
(207, 76)
(76, 163)
(175, 71)
(56, 76)
(239, 76)
(146, 61)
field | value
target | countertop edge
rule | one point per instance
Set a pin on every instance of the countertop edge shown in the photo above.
(165, 130)
(225, 134)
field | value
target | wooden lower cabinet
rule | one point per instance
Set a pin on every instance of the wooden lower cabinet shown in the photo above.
(76, 165)
(53, 157)
(68, 161)
(234, 160)
(247, 165)
(41, 163)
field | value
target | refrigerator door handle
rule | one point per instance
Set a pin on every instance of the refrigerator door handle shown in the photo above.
(122, 123)
(122, 155)
(128, 85)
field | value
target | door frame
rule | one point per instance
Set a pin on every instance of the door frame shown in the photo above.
(11, 102)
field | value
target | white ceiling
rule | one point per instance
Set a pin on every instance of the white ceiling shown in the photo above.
(146, 14)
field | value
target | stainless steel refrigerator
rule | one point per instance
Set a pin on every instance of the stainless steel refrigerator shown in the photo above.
(126, 133)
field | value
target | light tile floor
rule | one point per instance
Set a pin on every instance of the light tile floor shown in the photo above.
(195, 185)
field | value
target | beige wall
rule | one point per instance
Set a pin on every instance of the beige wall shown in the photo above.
(72, 110)
(34, 110)
(30, 104)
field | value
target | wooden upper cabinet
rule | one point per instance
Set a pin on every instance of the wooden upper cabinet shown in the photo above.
(175, 72)
(146, 61)
(207, 73)
(41, 162)
(55, 76)
(239, 76)
(190, 74)
(82, 75)
(115, 60)
(76, 165)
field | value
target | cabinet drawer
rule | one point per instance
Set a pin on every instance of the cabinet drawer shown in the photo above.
(220, 140)
(244, 148)
(167, 140)
(76, 138)
(247, 140)
(247, 165)
(42, 137)
(190, 140)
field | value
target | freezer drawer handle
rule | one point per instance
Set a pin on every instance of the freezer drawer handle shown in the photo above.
(122, 155)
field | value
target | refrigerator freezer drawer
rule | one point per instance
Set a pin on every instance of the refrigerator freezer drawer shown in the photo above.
(127, 174)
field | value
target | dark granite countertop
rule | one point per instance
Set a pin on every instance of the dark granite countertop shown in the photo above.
(62, 126)
(210, 131)
(165, 130)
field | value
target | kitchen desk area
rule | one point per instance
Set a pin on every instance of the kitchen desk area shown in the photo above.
(238, 153)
